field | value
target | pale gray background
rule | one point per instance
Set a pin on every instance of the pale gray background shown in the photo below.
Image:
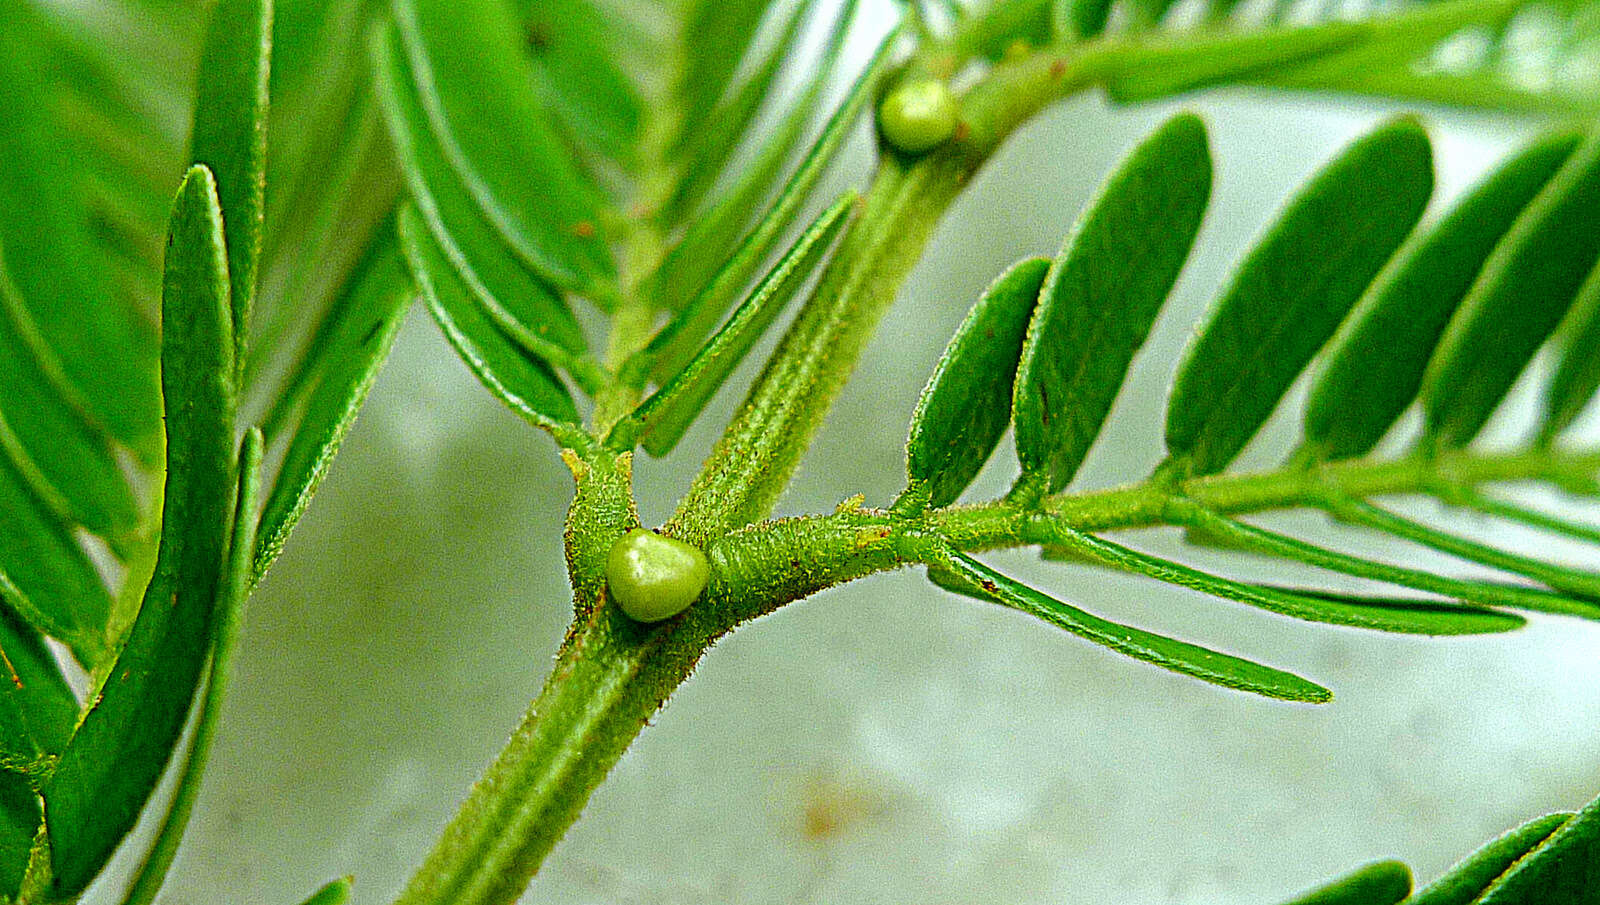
(969, 754)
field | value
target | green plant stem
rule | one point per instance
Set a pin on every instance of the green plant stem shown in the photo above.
(612, 674)
(762, 567)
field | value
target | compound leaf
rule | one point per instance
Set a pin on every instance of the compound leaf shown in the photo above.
(473, 78)
(76, 462)
(665, 416)
(521, 304)
(103, 348)
(671, 349)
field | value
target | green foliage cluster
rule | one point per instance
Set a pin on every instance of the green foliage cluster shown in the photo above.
(176, 375)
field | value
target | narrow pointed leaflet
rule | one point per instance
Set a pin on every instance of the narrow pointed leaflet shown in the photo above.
(530, 312)
(665, 416)
(37, 711)
(230, 137)
(1421, 618)
(119, 750)
(1465, 882)
(705, 304)
(355, 348)
(1167, 653)
(525, 384)
(1291, 291)
(1102, 296)
(99, 344)
(1382, 883)
(473, 78)
(1577, 376)
(1564, 868)
(967, 403)
(236, 584)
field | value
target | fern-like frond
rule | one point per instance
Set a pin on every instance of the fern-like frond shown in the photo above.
(1334, 275)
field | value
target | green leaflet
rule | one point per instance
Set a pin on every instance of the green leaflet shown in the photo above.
(473, 78)
(1104, 292)
(58, 268)
(1292, 290)
(1563, 868)
(1419, 618)
(335, 893)
(1270, 543)
(21, 816)
(1534, 518)
(1080, 18)
(19, 823)
(967, 403)
(665, 416)
(517, 301)
(1577, 376)
(1381, 883)
(708, 147)
(525, 384)
(1463, 883)
(576, 75)
(56, 590)
(361, 330)
(76, 461)
(1167, 653)
(1525, 288)
(230, 138)
(1164, 66)
(1376, 361)
(1578, 582)
(236, 584)
(711, 237)
(717, 36)
(37, 709)
(117, 754)
(672, 348)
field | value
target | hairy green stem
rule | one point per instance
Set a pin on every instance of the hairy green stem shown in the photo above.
(612, 675)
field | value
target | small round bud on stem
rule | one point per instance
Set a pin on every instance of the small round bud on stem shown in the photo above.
(918, 116)
(654, 577)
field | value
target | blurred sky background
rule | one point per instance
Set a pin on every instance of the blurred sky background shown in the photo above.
(885, 742)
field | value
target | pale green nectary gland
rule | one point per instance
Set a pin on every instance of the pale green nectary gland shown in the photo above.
(654, 577)
(918, 116)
